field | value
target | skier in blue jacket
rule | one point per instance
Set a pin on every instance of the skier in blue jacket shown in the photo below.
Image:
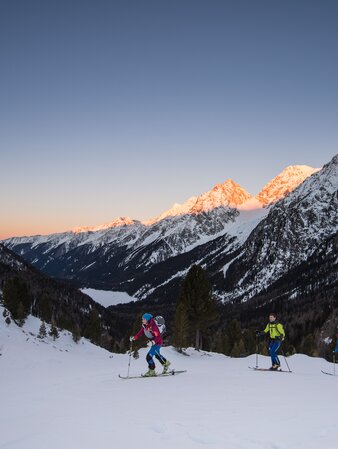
(336, 348)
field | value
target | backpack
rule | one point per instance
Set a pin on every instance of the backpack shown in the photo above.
(160, 322)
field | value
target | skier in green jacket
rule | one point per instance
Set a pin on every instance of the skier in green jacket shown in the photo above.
(277, 335)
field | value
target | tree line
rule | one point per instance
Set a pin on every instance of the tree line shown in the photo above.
(203, 322)
(198, 319)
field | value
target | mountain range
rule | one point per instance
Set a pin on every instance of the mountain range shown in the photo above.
(246, 243)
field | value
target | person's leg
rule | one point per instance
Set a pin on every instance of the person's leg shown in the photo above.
(158, 355)
(150, 359)
(278, 344)
(164, 362)
(271, 354)
(273, 348)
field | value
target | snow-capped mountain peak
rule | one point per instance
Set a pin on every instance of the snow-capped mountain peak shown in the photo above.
(228, 194)
(280, 186)
(120, 221)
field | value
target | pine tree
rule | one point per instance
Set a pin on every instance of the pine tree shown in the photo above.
(241, 348)
(20, 314)
(17, 298)
(181, 328)
(197, 299)
(234, 333)
(76, 334)
(221, 343)
(54, 332)
(42, 331)
(45, 308)
(93, 328)
(308, 345)
(249, 339)
(6, 315)
(235, 352)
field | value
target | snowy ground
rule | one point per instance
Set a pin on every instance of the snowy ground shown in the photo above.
(108, 298)
(59, 395)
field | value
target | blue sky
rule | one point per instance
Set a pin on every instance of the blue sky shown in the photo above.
(121, 108)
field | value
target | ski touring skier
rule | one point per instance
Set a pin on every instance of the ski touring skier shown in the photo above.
(151, 331)
(336, 348)
(277, 334)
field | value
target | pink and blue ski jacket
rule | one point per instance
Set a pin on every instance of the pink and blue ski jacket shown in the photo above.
(151, 331)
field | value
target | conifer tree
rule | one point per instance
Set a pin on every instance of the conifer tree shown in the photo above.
(17, 298)
(20, 314)
(241, 348)
(42, 331)
(233, 331)
(308, 345)
(181, 328)
(54, 331)
(6, 315)
(76, 334)
(44, 308)
(197, 299)
(235, 352)
(93, 328)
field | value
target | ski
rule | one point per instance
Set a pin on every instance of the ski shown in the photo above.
(329, 374)
(169, 373)
(268, 369)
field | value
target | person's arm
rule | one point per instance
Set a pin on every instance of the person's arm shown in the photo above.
(139, 333)
(267, 329)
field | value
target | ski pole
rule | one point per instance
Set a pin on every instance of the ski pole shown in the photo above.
(334, 363)
(286, 360)
(256, 351)
(130, 351)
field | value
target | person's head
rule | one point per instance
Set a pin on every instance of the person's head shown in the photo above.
(272, 317)
(146, 317)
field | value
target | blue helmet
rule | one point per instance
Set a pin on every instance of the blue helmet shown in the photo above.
(147, 316)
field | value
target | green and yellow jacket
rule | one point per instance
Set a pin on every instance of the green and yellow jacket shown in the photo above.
(275, 330)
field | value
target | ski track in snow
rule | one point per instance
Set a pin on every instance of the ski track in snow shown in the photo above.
(62, 395)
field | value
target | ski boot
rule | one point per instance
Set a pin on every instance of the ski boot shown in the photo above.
(166, 365)
(275, 367)
(150, 373)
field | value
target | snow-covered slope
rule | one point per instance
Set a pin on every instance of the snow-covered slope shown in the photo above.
(6, 258)
(66, 395)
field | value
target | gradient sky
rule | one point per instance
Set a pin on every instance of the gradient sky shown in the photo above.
(121, 108)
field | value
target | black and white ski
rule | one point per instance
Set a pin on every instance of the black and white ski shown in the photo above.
(169, 373)
(268, 369)
(329, 374)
